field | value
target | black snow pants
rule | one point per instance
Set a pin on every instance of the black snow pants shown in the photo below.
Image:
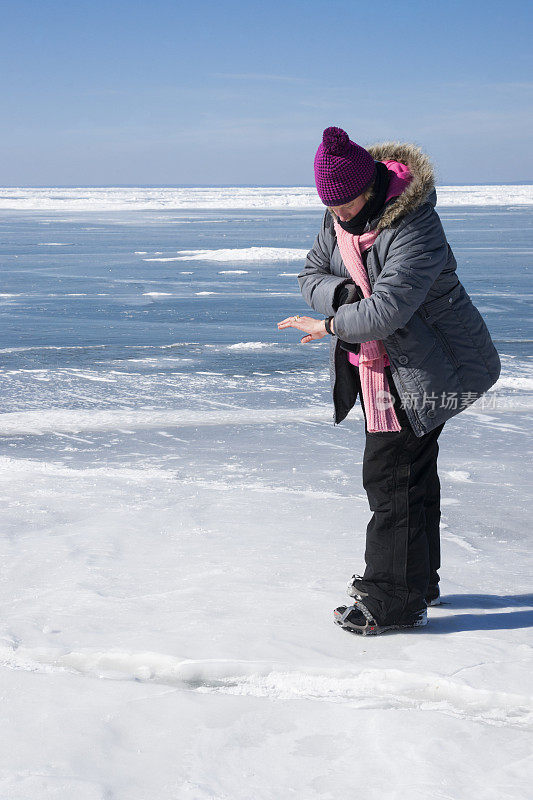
(402, 553)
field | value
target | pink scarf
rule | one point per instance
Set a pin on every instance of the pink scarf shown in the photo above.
(380, 413)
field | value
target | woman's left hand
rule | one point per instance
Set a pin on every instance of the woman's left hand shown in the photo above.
(315, 328)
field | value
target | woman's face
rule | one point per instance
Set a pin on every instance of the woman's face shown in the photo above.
(349, 210)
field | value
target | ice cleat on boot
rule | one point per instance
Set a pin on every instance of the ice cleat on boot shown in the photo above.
(351, 591)
(358, 619)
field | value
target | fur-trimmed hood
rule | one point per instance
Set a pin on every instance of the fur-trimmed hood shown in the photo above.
(418, 191)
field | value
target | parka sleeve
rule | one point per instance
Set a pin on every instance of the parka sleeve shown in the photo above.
(317, 285)
(416, 256)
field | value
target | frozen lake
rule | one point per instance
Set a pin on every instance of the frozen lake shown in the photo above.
(180, 518)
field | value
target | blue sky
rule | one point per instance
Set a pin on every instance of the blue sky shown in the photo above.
(107, 93)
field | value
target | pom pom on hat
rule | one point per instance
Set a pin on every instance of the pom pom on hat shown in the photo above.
(343, 169)
(335, 141)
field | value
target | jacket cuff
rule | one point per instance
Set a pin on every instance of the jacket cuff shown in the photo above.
(339, 326)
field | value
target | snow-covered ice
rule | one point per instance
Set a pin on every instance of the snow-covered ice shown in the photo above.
(158, 199)
(276, 254)
(180, 517)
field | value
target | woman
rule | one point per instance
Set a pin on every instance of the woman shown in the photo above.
(408, 341)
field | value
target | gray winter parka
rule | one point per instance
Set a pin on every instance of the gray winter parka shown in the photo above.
(441, 353)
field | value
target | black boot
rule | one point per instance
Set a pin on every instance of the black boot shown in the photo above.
(358, 619)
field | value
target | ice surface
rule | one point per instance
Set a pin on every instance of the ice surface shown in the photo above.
(180, 517)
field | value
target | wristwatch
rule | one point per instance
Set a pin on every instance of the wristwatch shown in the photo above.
(327, 323)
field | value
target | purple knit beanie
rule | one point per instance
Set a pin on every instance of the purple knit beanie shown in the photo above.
(343, 169)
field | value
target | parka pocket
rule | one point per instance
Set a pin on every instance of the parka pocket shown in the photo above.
(460, 328)
(442, 303)
(439, 315)
(445, 344)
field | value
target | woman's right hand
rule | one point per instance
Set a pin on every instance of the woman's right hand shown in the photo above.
(314, 328)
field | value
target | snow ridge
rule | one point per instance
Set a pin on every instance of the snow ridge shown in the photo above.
(383, 688)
